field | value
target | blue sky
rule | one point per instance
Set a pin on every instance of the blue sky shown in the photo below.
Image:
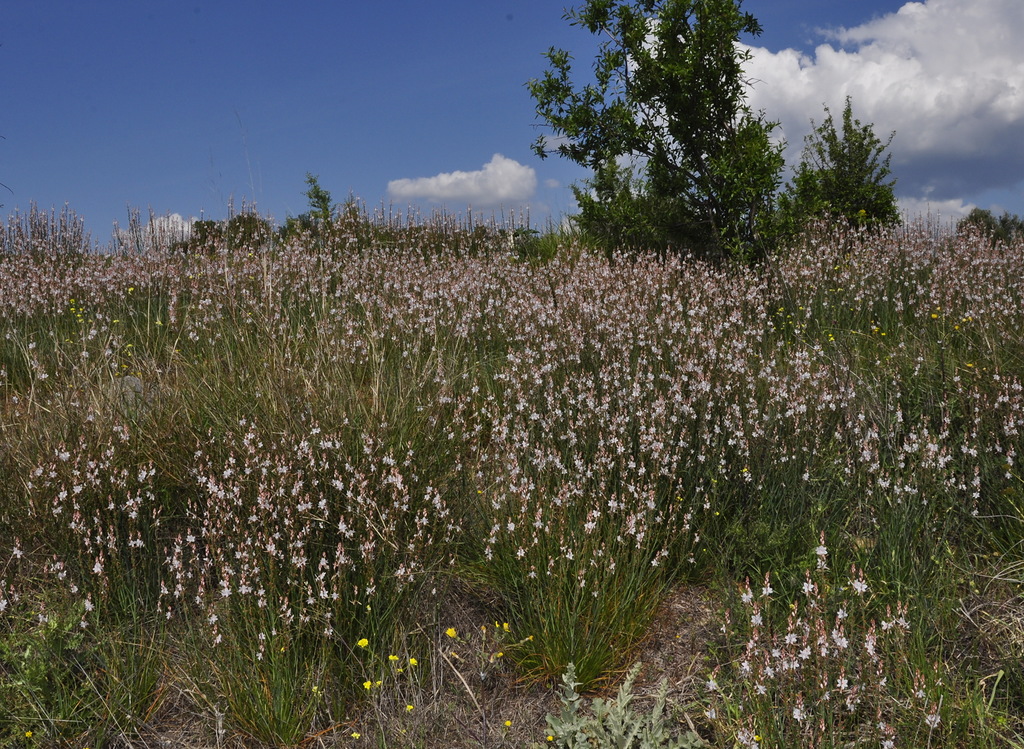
(184, 107)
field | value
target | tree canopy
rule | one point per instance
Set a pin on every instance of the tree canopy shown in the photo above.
(664, 124)
(842, 174)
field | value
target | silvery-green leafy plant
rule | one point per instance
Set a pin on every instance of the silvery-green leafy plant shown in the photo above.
(613, 723)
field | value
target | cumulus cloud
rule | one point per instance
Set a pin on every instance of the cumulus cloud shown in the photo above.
(500, 181)
(952, 210)
(945, 75)
(172, 223)
(159, 231)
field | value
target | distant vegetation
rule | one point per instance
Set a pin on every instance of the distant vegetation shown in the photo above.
(1006, 228)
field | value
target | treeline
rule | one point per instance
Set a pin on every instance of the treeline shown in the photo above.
(1005, 228)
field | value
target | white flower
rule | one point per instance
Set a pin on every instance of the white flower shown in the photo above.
(932, 719)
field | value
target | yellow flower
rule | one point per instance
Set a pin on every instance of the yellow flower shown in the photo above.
(413, 662)
(367, 684)
(363, 643)
(28, 734)
(451, 632)
(355, 734)
(551, 738)
(508, 723)
(392, 657)
(408, 708)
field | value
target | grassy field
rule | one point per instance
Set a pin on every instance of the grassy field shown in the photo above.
(380, 486)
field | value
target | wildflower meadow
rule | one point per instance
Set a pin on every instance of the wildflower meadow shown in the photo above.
(383, 482)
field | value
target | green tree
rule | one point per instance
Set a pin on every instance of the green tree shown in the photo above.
(664, 125)
(843, 174)
(321, 206)
(318, 218)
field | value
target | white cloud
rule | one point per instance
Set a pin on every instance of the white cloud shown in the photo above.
(500, 181)
(172, 223)
(159, 231)
(953, 210)
(946, 75)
